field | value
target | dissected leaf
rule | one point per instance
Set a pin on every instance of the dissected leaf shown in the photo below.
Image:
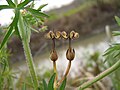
(51, 82)
(118, 20)
(42, 6)
(45, 85)
(62, 86)
(5, 7)
(36, 12)
(10, 3)
(21, 5)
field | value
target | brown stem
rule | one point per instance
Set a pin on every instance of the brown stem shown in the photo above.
(55, 71)
(65, 75)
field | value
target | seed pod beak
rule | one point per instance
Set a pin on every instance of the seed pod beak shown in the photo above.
(70, 54)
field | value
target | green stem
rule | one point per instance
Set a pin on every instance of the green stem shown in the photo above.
(27, 52)
(100, 76)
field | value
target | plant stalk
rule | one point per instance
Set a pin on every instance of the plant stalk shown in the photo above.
(100, 76)
(55, 71)
(65, 75)
(27, 52)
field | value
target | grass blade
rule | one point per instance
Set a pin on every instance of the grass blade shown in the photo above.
(62, 86)
(10, 3)
(51, 82)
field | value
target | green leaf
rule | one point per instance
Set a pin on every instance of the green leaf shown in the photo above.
(7, 36)
(24, 87)
(51, 82)
(21, 5)
(10, 31)
(36, 12)
(118, 20)
(62, 86)
(45, 85)
(10, 3)
(42, 6)
(5, 7)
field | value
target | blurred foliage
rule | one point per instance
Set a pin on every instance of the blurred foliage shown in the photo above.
(6, 74)
(112, 55)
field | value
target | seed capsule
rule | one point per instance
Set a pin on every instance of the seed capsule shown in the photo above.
(53, 55)
(58, 35)
(64, 35)
(70, 54)
(72, 33)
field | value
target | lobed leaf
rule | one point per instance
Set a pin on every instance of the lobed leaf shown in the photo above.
(51, 82)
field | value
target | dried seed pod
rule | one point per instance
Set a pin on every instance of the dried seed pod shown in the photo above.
(70, 54)
(76, 35)
(53, 55)
(72, 33)
(64, 35)
(58, 35)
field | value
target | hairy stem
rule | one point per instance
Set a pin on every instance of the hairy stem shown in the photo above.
(27, 52)
(100, 76)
